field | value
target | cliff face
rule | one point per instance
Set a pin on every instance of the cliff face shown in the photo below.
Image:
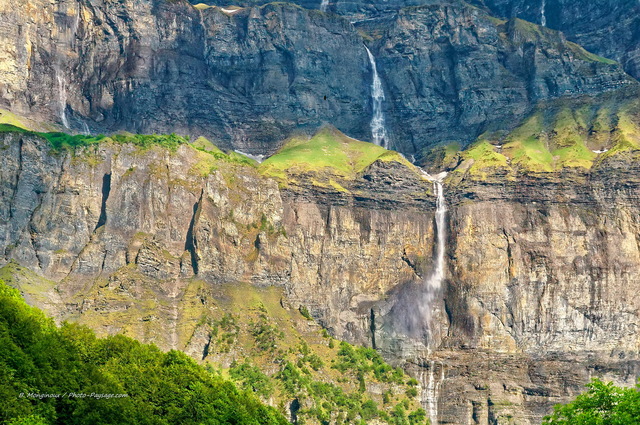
(123, 219)
(540, 290)
(469, 74)
(608, 28)
(605, 27)
(244, 79)
(249, 78)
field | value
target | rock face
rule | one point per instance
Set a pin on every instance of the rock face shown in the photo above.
(540, 291)
(444, 88)
(250, 78)
(608, 28)
(245, 79)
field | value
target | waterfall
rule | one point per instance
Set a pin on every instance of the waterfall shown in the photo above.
(413, 307)
(437, 275)
(62, 98)
(205, 44)
(378, 130)
(435, 279)
(431, 391)
(543, 17)
(85, 129)
(324, 5)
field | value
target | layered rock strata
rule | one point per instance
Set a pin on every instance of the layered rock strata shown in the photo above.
(542, 270)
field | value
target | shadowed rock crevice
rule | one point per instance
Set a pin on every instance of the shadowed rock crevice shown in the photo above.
(191, 242)
(106, 190)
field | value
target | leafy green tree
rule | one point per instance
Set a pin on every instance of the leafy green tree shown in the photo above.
(602, 404)
(28, 420)
(115, 380)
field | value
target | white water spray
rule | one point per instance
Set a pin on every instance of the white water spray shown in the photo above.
(324, 5)
(62, 98)
(378, 130)
(543, 16)
(414, 306)
(85, 129)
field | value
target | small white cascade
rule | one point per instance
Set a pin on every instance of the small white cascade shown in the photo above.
(62, 98)
(205, 43)
(76, 23)
(431, 390)
(378, 130)
(85, 129)
(543, 16)
(324, 5)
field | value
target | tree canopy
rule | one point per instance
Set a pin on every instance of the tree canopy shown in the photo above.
(603, 404)
(66, 375)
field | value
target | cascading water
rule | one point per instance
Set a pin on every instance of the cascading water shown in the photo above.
(414, 305)
(378, 130)
(205, 44)
(431, 390)
(543, 16)
(62, 98)
(324, 5)
(437, 276)
(432, 285)
(435, 279)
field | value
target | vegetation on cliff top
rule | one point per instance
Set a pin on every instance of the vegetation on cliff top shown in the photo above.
(60, 142)
(328, 154)
(563, 134)
(65, 375)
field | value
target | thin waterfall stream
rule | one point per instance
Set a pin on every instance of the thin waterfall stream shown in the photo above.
(62, 98)
(543, 16)
(433, 283)
(378, 129)
(437, 275)
(431, 390)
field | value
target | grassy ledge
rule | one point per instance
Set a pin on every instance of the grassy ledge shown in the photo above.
(576, 134)
(329, 156)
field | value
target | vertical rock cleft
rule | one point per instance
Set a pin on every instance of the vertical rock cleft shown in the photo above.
(191, 244)
(106, 189)
(378, 129)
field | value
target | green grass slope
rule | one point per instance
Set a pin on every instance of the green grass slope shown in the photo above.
(281, 354)
(328, 155)
(577, 133)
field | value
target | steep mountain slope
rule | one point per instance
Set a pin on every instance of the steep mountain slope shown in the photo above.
(250, 77)
(541, 265)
